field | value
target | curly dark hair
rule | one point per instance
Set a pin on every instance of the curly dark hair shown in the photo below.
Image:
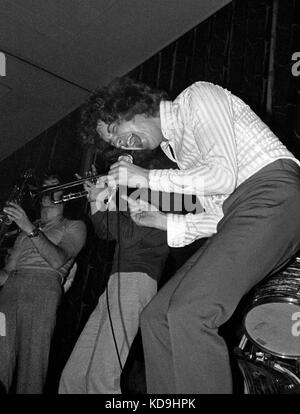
(120, 100)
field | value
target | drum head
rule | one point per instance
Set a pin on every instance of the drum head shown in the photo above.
(271, 327)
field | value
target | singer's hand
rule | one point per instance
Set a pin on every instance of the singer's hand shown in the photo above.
(130, 175)
(145, 214)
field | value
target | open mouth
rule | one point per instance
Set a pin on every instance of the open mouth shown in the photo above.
(133, 142)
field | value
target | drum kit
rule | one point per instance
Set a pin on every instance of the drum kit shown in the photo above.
(269, 352)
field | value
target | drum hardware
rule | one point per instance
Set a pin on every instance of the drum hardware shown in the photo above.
(266, 374)
(252, 352)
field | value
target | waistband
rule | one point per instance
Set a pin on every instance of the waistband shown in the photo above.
(37, 272)
(285, 165)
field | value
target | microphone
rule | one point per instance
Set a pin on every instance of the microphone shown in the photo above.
(124, 157)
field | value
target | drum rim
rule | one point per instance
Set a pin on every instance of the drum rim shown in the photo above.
(268, 351)
(290, 300)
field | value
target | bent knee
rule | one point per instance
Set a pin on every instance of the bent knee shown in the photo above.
(203, 315)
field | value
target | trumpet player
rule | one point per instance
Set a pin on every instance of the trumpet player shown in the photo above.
(31, 281)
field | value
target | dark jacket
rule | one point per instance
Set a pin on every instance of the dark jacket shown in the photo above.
(138, 249)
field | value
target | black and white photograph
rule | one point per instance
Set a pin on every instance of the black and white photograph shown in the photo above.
(149, 200)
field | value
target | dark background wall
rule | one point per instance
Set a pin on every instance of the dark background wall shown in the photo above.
(246, 47)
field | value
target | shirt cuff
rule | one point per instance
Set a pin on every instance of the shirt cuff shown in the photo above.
(176, 229)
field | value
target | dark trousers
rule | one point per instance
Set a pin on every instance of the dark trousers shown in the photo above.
(258, 234)
(29, 301)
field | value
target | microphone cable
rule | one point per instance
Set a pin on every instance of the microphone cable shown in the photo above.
(107, 302)
(118, 290)
(129, 159)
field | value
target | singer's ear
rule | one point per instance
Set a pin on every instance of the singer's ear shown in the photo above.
(101, 128)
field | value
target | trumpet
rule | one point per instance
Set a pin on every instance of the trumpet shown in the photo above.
(52, 189)
(78, 194)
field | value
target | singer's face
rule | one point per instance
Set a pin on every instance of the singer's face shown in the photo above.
(140, 132)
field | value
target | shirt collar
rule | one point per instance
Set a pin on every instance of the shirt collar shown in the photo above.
(167, 119)
(168, 129)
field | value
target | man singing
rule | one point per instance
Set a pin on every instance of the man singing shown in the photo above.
(249, 185)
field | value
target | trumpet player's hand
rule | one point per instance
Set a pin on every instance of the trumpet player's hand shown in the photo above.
(18, 215)
(88, 185)
(96, 193)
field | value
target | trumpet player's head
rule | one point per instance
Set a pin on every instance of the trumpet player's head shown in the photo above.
(48, 208)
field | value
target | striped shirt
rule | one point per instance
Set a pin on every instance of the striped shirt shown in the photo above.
(218, 142)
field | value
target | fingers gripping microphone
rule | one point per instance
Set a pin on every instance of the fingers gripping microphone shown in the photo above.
(124, 157)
